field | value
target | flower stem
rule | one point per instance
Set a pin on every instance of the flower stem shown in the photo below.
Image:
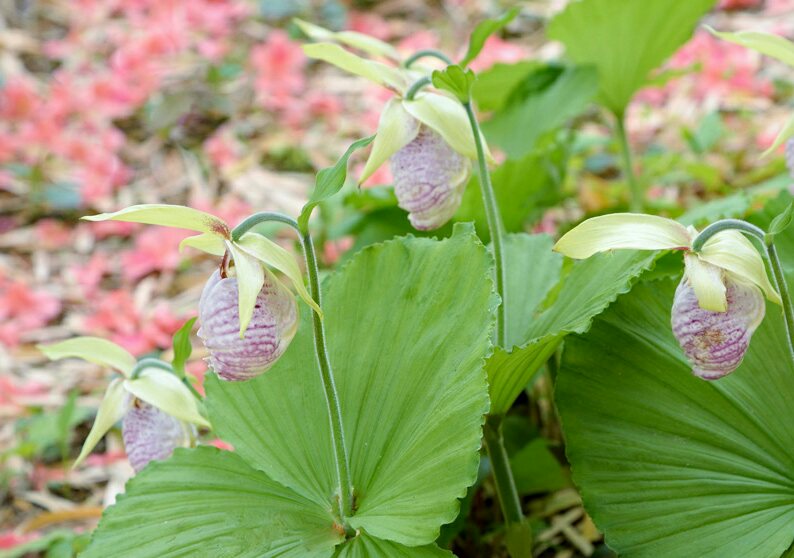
(492, 432)
(502, 474)
(345, 501)
(495, 226)
(416, 86)
(637, 195)
(428, 53)
(769, 250)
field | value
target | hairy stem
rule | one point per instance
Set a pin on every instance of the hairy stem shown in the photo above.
(637, 199)
(502, 474)
(494, 443)
(345, 501)
(428, 53)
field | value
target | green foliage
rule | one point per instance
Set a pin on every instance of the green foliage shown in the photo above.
(546, 98)
(569, 308)
(668, 464)
(535, 469)
(484, 30)
(182, 347)
(407, 352)
(329, 181)
(625, 40)
(456, 80)
(780, 223)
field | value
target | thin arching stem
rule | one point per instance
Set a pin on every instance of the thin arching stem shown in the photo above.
(428, 53)
(345, 502)
(416, 86)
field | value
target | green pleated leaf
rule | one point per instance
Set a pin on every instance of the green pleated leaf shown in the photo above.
(485, 29)
(208, 503)
(625, 39)
(671, 465)
(366, 546)
(586, 291)
(408, 325)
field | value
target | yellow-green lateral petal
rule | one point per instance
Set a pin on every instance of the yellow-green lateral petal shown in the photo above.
(93, 349)
(623, 231)
(176, 216)
(365, 43)
(761, 41)
(206, 242)
(166, 392)
(448, 118)
(708, 283)
(396, 129)
(733, 252)
(110, 411)
(349, 62)
(785, 133)
(250, 278)
(273, 255)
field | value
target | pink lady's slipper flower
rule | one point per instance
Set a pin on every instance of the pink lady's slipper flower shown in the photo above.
(427, 139)
(720, 300)
(247, 316)
(157, 410)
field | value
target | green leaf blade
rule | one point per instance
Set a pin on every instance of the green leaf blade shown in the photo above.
(208, 503)
(484, 30)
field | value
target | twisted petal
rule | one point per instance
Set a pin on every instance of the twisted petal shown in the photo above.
(166, 392)
(250, 277)
(429, 179)
(715, 342)
(349, 62)
(150, 433)
(761, 41)
(708, 283)
(733, 252)
(396, 129)
(112, 408)
(365, 43)
(273, 324)
(93, 349)
(623, 230)
(166, 215)
(448, 118)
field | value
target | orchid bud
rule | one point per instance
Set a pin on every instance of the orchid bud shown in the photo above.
(715, 342)
(272, 327)
(150, 434)
(429, 179)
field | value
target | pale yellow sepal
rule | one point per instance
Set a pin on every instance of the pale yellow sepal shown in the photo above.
(273, 255)
(110, 411)
(396, 129)
(760, 41)
(623, 230)
(206, 242)
(707, 282)
(365, 43)
(448, 118)
(166, 392)
(250, 278)
(349, 62)
(735, 253)
(168, 216)
(785, 133)
(93, 349)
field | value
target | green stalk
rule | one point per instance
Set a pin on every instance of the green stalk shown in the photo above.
(769, 250)
(345, 502)
(495, 226)
(637, 195)
(505, 485)
(492, 432)
(428, 53)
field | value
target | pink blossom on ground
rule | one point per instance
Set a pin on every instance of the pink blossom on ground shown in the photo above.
(496, 50)
(51, 234)
(10, 539)
(230, 209)
(370, 23)
(419, 40)
(278, 64)
(23, 309)
(156, 249)
(738, 4)
(223, 149)
(105, 229)
(115, 316)
(221, 445)
(15, 393)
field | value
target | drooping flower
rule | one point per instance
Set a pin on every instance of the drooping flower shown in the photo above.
(157, 409)
(272, 327)
(427, 139)
(720, 300)
(249, 319)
